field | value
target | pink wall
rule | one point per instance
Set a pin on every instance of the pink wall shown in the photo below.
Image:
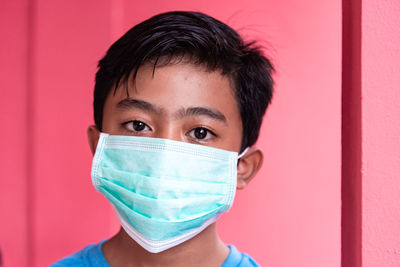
(288, 216)
(14, 107)
(370, 134)
(371, 130)
(380, 133)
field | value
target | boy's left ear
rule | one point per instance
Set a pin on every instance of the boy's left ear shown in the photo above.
(248, 166)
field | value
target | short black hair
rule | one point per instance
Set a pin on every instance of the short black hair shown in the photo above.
(205, 41)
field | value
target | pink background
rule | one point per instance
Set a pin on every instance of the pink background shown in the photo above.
(291, 214)
(371, 134)
(380, 82)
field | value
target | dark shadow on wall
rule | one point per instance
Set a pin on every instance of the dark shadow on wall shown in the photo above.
(351, 133)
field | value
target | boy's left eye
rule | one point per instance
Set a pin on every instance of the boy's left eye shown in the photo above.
(201, 133)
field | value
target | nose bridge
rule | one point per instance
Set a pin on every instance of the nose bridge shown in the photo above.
(171, 130)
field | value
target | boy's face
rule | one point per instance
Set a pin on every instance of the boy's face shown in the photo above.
(182, 102)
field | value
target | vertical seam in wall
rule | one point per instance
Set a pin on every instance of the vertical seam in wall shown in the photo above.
(116, 19)
(30, 116)
(351, 134)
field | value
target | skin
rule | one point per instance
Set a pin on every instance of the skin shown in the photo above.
(181, 102)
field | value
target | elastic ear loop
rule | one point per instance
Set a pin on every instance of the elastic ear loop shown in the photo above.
(243, 153)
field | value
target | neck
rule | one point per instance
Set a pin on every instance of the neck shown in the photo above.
(205, 249)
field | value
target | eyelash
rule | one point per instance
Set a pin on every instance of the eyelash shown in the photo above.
(125, 124)
(207, 131)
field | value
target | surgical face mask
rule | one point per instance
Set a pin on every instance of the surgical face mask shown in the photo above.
(164, 192)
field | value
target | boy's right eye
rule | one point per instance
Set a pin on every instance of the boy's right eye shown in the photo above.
(136, 126)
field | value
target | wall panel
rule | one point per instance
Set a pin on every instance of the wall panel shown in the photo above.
(380, 85)
(289, 215)
(71, 36)
(14, 132)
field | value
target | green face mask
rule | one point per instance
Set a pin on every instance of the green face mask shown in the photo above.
(164, 192)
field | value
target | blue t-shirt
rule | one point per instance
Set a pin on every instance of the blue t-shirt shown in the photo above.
(93, 256)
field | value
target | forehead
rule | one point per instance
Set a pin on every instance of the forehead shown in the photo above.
(178, 85)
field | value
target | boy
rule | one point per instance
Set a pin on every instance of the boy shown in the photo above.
(175, 99)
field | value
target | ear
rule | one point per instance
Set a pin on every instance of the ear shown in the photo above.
(248, 166)
(93, 137)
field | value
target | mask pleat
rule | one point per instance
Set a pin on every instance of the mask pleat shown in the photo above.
(158, 229)
(153, 208)
(173, 164)
(164, 187)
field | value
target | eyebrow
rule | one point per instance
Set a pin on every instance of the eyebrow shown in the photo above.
(129, 103)
(201, 111)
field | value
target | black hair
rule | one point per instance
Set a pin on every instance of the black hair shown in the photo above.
(205, 41)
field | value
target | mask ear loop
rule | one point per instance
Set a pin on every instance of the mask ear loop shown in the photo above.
(243, 153)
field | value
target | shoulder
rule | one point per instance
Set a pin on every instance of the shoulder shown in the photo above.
(237, 259)
(89, 256)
